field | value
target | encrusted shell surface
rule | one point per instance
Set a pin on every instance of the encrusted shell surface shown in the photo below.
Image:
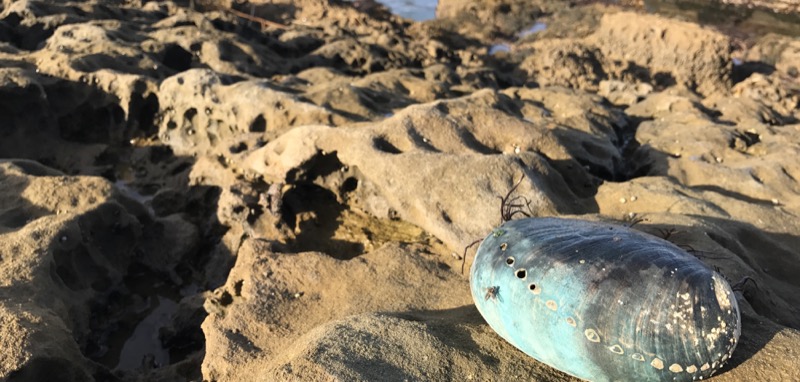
(604, 302)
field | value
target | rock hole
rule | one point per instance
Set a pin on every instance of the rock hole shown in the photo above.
(254, 213)
(510, 261)
(190, 114)
(531, 286)
(237, 148)
(314, 214)
(384, 145)
(742, 140)
(376, 67)
(259, 124)
(147, 111)
(663, 80)
(521, 273)
(177, 58)
(349, 185)
(225, 299)
(446, 217)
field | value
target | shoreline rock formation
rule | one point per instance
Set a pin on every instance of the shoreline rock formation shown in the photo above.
(188, 193)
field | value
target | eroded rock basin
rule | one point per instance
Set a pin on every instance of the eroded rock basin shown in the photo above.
(284, 190)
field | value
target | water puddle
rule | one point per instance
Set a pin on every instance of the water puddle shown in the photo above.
(756, 20)
(132, 193)
(497, 48)
(702, 11)
(535, 28)
(143, 349)
(417, 10)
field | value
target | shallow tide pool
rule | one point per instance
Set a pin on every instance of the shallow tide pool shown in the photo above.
(419, 10)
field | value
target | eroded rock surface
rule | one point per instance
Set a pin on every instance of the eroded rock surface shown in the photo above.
(283, 190)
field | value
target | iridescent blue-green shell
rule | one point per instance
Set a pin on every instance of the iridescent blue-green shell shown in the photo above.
(604, 302)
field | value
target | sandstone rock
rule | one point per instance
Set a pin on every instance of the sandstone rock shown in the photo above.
(564, 63)
(620, 93)
(492, 19)
(423, 146)
(659, 45)
(750, 163)
(592, 133)
(218, 111)
(271, 299)
(443, 345)
(67, 246)
(770, 91)
(339, 158)
(53, 266)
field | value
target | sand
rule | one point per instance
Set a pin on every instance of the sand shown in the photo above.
(283, 190)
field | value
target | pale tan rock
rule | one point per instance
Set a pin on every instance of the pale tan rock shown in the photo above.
(424, 147)
(771, 91)
(620, 93)
(65, 243)
(660, 45)
(271, 299)
(346, 158)
(201, 112)
(494, 18)
(564, 62)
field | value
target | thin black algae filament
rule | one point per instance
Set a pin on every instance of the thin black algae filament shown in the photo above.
(509, 207)
(464, 258)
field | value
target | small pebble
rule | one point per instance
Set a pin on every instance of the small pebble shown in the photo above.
(622, 200)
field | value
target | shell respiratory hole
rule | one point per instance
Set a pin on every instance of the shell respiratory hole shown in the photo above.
(604, 302)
